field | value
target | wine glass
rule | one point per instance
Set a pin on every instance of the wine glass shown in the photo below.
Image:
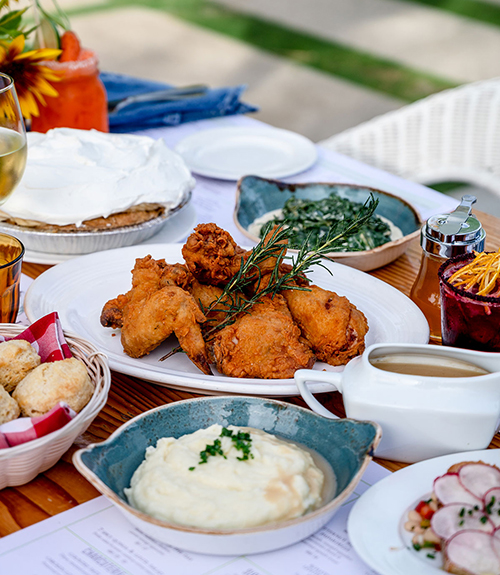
(12, 138)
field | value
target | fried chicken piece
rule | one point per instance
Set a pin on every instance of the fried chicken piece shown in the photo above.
(213, 257)
(265, 343)
(155, 308)
(333, 326)
(149, 274)
(355, 345)
(205, 296)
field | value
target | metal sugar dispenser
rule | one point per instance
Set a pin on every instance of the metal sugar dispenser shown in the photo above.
(441, 237)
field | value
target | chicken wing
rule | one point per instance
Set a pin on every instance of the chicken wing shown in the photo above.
(155, 308)
(264, 343)
(334, 327)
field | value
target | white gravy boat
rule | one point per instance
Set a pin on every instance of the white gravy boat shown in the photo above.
(421, 416)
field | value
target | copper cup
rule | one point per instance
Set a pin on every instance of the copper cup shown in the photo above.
(11, 259)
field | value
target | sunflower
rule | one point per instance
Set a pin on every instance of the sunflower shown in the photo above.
(32, 79)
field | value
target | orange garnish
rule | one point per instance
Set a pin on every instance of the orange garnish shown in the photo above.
(70, 45)
(483, 271)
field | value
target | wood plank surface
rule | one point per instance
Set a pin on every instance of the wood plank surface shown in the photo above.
(62, 487)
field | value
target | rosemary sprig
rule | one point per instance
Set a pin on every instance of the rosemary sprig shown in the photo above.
(274, 245)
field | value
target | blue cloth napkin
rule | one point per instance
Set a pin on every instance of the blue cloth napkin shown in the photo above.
(143, 115)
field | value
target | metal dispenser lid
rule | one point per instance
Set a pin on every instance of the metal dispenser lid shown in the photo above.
(448, 235)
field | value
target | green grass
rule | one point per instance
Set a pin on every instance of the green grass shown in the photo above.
(333, 58)
(471, 9)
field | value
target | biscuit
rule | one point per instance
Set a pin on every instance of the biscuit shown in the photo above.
(49, 383)
(17, 359)
(9, 409)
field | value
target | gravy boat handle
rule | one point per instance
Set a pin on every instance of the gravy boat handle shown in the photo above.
(303, 375)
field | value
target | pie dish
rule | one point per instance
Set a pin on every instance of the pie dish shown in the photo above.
(88, 241)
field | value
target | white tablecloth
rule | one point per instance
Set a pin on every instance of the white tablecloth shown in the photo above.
(214, 199)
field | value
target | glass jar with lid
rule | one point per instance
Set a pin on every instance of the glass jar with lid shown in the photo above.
(444, 236)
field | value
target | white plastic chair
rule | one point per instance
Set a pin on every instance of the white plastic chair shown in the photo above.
(450, 136)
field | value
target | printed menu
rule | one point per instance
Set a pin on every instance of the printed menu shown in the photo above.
(95, 539)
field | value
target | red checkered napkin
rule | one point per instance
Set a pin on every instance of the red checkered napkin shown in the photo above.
(25, 429)
(46, 336)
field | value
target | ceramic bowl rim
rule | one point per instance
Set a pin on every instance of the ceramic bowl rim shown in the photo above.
(336, 255)
(330, 506)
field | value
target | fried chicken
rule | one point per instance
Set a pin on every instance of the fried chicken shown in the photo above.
(205, 296)
(334, 327)
(282, 332)
(155, 308)
(213, 257)
(264, 343)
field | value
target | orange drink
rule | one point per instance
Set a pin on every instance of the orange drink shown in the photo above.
(81, 102)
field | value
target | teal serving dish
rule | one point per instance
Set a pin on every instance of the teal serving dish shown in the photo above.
(257, 196)
(346, 444)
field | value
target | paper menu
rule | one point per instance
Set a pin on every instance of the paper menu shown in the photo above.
(95, 539)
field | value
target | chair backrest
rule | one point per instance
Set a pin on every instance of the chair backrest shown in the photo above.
(450, 136)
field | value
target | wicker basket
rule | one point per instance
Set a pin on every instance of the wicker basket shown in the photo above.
(22, 463)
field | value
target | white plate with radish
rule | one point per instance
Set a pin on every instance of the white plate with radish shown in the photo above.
(468, 519)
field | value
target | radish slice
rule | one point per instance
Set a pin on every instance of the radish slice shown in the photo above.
(496, 544)
(492, 505)
(478, 478)
(449, 489)
(456, 517)
(471, 552)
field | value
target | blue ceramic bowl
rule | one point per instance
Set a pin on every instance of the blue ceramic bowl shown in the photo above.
(257, 196)
(346, 444)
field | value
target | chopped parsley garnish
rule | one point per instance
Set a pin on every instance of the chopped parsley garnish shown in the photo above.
(490, 505)
(311, 220)
(241, 441)
(484, 519)
(462, 512)
(431, 556)
(214, 449)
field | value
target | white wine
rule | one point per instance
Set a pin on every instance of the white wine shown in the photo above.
(12, 161)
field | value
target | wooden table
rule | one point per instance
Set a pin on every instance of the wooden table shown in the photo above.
(62, 487)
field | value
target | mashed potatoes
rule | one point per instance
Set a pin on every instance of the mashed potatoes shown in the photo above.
(278, 481)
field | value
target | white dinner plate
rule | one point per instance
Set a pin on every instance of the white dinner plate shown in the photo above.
(233, 152)
(78, 288)
(176, 228)
(376, 522)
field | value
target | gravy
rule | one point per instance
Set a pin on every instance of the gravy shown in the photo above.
(427, 365)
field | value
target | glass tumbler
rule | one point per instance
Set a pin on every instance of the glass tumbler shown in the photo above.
(467, 320)
(11, 259)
